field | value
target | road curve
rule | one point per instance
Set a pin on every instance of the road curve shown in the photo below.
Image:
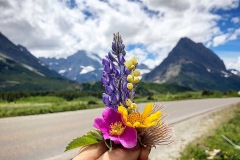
(46, 136)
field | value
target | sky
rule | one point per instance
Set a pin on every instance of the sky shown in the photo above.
(149, 28)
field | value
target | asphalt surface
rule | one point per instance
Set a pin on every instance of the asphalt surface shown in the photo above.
(42, 137)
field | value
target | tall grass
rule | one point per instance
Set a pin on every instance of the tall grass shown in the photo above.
(43, 105)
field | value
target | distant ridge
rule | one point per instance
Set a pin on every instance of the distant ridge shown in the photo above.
(20, 70)
(21, 55)
(193, 65)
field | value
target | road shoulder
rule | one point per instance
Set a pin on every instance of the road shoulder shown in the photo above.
(190, 130)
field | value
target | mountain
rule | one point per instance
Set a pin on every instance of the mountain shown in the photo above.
(81, 66)
(193, 65)
(22, 56)
(20, 70)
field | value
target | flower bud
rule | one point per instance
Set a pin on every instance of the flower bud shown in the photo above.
(136, 72)
(132, 67)
(133, 106)
(130, 78)
(128, 64)
(128, 102)
(134, 60)
(130, 86)
(136, 80)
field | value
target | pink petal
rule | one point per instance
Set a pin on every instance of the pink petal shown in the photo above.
(129, 138)
(100, 124)
(115, 139)
(106, 135)
(111, 116)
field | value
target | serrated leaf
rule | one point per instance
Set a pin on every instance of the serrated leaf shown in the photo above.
(82, 141)
(97, 134)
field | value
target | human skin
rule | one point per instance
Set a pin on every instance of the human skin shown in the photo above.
(100, 152)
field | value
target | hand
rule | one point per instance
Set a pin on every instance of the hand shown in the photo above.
(100, 152)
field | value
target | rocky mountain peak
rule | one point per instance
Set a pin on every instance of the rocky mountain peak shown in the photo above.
(197, 53)
(193, 65)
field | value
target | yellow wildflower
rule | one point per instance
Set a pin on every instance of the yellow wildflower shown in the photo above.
(137, 120)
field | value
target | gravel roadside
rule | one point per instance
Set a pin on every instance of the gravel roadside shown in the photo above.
(189, 130)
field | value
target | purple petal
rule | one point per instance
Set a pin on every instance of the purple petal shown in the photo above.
(113, 46)
(111, 57)
(105, 61)
(113, 99)
(104, 74)
(124, 85)
(114, 83)
(100, 124)
(117, 73)
(113, 106)
(105, 98)
(127, 71)
(118, 96)
(104, 81)
(109, 90)
(107, 69)
(111, 116)
(121, 59)
(129, 138)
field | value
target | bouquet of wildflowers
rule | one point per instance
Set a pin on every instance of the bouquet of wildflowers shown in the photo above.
(121, 122)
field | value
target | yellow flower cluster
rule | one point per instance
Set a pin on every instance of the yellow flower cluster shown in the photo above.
(137, 120)
(132, 79)
(131, 117)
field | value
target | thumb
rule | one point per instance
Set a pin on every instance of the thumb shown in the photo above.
(91, 152)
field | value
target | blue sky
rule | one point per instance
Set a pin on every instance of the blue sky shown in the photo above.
(229, 49)
(149, 28)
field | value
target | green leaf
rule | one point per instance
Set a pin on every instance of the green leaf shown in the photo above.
(81, 141)
(97, 134)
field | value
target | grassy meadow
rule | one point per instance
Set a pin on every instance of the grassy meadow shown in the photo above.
(46, 104)
(89, 96)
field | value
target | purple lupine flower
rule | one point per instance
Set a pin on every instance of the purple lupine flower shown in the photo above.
(114, 75)
(121, 58)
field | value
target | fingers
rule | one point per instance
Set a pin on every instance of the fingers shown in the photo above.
(144, 153)
(100, 152)
(91, 152)
(122, 154)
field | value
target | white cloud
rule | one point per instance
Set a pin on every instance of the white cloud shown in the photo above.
(235, 34)
(235, 19)
(221, 39)
(51, 28)
(232, 63)
(231, 59)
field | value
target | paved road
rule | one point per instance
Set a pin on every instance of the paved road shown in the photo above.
(46, 136)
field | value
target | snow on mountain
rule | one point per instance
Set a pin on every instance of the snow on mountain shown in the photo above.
(82, 66)
(86, 69)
